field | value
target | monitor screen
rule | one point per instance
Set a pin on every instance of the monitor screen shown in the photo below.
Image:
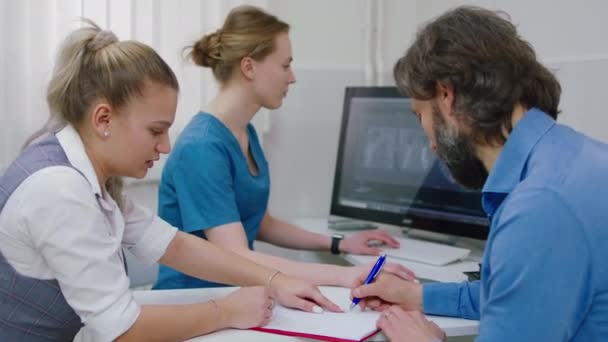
(387, 173)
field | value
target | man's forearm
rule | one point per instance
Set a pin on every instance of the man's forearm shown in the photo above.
(451, 299)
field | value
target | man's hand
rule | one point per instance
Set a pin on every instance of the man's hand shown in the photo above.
(408, 326)
(354, 276)
(388, 289)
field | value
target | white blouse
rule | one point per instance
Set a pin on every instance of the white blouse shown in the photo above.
(61, 225)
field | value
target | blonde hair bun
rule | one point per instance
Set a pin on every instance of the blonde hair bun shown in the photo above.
(206, 52)
(247, 31)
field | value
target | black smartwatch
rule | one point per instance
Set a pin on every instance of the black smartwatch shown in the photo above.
(335, 243)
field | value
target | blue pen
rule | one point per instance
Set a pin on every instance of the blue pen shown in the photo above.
(370, 277)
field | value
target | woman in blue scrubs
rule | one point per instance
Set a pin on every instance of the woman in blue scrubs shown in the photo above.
(216, 182)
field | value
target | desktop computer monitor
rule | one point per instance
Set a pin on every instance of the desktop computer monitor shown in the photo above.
(386, 172)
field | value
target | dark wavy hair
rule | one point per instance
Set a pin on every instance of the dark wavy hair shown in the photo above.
(490, 67)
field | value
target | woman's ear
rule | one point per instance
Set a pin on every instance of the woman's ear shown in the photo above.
(248, 67)
(102, 119)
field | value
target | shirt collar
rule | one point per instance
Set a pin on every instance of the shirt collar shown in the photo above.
(72, 145)
(508, 171)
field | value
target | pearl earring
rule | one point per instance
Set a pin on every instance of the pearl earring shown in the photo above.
(106, 133)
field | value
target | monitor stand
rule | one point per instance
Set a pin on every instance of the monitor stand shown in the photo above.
(430, 236)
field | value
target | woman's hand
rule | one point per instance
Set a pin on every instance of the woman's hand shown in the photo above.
(246, 307)
(405, 326)
(359, 243)
(299, 294)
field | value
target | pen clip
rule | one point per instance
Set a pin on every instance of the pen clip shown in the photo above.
(376, 269)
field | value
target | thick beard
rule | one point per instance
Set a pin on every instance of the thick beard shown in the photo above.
(456, 150)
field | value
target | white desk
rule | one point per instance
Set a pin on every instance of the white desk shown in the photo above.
(452, 326)
(452, 272)
(448, 273)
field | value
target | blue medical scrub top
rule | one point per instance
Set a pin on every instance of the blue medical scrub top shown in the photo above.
(206, 183)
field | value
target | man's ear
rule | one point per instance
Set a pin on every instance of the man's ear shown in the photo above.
(102, 119)
(445, 98)
(248, 67)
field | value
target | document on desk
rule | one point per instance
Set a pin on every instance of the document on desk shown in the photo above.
(327, 326)
(431, 253)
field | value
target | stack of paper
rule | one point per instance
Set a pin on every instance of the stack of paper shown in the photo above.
(328, 326)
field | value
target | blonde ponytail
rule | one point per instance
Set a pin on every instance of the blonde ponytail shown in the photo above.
(93, 64)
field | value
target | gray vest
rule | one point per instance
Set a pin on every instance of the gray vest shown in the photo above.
(33, 310)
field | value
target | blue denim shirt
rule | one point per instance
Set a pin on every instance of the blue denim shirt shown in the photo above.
(543, 275)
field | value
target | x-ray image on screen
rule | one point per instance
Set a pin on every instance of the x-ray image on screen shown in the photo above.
(386, 163)
(396, 148)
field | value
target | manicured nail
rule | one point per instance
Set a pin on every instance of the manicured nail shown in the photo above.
(317, 309)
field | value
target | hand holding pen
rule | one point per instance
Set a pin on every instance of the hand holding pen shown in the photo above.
(387, 289)
(370, 277)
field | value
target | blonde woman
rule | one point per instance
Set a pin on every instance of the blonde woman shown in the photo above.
(216, 182)
(64, 220)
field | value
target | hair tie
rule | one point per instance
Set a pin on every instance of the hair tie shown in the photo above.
(102, 39)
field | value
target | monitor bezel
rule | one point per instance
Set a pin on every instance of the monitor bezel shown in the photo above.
(409, 220)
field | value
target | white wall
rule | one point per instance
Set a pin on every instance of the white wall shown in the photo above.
(327, 38)
(330, 53)
(31, 31)
(570, 37)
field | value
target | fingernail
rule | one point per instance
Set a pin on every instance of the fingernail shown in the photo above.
(317, 309)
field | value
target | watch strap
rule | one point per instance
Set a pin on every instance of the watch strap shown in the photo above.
(335, 244)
